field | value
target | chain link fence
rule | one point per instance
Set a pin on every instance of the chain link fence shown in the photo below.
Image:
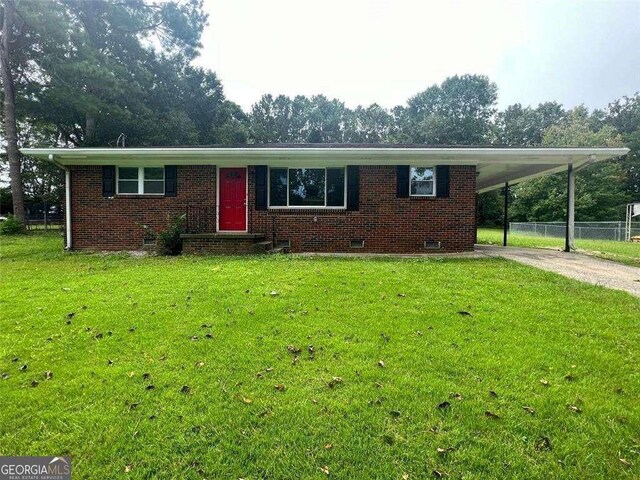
(591, 230)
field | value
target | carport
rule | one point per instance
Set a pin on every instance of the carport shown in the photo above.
(509, 166)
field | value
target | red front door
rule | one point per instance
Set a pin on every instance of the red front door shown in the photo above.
(233, 199)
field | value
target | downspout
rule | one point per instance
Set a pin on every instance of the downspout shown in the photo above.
(67, 208)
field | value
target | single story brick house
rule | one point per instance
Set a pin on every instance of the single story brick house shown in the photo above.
(305, 198)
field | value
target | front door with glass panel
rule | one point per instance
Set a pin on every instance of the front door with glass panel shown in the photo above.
(233, 200)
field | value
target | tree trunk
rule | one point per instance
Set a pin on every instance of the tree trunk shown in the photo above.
(11, 129)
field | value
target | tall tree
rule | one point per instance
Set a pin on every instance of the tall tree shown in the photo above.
(600, 192)
(457, 112)
(10, 35)
(519, 126)
(372, 124)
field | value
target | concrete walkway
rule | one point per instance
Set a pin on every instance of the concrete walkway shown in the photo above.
(573, 265)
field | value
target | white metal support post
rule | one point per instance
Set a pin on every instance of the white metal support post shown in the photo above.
(571, 205)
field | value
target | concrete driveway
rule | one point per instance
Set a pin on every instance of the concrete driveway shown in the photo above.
(573, 265)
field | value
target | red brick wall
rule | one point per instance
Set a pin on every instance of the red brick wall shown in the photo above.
(386, 224)
(101, 223)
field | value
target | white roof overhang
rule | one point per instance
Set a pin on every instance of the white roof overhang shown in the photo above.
(494, 166)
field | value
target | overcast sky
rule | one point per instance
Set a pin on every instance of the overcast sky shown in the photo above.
(385, 51)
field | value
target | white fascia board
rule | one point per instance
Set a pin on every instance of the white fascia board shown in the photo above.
(310, 156)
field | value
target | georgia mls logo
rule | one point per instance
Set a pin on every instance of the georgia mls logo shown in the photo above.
(35, 468)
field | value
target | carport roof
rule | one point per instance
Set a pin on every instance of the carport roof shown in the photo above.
(494, 165)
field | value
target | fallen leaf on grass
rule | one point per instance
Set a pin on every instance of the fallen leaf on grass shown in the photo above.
(246, 401)
(442, 451)
(544, 382)
(401, 295)
(464, 313)
(279, 387)
(200, 364)
(128, 468)
(439, 474)
(380, 363)
(529, 410)
(542, 444)
(456, 396)
(335, 381)
(294, 350)
(574, 408)
(274, 293)
(325, 470)
(23, 367)
(491, 415)
(625, 462)
(328, 446)
(48, 375)
(5, 375)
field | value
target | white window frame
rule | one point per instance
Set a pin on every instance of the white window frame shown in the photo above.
(141, 182)
(324, 207)
(433, 169)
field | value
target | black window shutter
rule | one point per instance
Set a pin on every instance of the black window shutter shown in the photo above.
(402, 179)
(170, 181)
(353, 188)
(261, 187)
(442, 181)
(108, 181)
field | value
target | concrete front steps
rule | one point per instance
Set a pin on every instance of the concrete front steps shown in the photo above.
(226, 243)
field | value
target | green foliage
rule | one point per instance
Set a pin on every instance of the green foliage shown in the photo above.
(600, 188)
(169, 241)
(379, 422)
(457, 112)
(11, 226)
(94, 70)
(524, 127)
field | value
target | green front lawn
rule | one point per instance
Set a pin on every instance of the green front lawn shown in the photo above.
(189, 367)
(623, 252)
